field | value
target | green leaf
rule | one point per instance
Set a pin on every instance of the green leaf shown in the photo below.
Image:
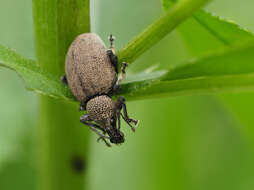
(35, 78)
(227, 32)
(204, 32)
(228, 70)
(159, 29)
(45, 83)
(234, 61)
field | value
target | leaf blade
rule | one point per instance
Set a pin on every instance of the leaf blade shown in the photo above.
(205, 32)
(229, 70)
(226, 31)
(159, 29)
(223, 71)
(35, 78)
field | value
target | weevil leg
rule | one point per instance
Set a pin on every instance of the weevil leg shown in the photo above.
(111, 53)
(123, 73)
(119, 120)
(64, 80)
(82, 106)
(121, 105)
(101, 138)
(116, 89)
(113, 59)
(116, 86)
(111, 39)
(86, 120)
(128, 122)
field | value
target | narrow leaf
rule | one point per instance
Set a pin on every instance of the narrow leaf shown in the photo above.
(227, 32)
(45, 83)
(229, 70)
(204, 32)
(159, 29)
(35, 78)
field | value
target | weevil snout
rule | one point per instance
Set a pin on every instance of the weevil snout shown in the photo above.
(116, 136)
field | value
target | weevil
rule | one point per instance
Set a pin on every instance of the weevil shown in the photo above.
(92, 75)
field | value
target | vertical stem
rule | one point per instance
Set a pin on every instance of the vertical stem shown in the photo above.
(63, 142)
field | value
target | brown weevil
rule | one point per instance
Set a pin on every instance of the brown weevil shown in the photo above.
(92, 75)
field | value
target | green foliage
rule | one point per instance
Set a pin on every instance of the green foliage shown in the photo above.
(222, 71)
(227, 70)
(45, 83)
(35, 78)
(204, 32)
(48, 84)
(210, 32)
(159, 29)
(227, 62)
(225, 31)
(179, 138)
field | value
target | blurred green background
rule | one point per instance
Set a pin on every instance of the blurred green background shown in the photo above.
(195, 142)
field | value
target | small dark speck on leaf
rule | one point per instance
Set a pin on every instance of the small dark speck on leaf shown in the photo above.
(78, 164)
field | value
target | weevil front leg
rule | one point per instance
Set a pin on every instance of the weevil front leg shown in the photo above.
(87, 121)
(121, 105)
(101, 138)
(118, 119)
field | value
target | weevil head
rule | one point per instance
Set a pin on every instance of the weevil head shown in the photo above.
(116, 136)
(102, 110)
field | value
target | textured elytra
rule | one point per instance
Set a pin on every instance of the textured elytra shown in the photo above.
(88, 68)
(101, 108)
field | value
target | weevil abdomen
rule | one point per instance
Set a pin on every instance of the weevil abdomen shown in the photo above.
(88, 68)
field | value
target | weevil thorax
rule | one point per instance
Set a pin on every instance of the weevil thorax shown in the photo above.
(101, 109)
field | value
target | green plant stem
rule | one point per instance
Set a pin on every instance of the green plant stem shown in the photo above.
(159, 29)
(63, 141)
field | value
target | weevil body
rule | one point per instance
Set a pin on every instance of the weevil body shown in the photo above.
(92, 75)
(88, 68)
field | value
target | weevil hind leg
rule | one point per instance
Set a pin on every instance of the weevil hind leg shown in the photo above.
(64, 80)
(87, 121)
